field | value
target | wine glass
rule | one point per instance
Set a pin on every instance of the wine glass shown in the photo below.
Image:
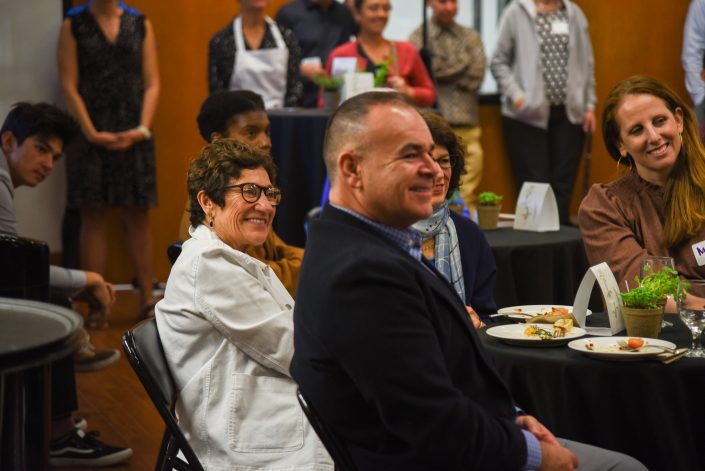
(691, 309)
(650, 265)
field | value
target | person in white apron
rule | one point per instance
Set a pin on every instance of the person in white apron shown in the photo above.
(263, 71)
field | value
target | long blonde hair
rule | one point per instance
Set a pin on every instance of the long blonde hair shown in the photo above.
(685, 189)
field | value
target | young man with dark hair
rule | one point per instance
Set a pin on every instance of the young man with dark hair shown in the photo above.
(32, 138)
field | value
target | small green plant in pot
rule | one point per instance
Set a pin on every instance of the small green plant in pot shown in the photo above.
(488, 210)
(331, 90)
(644, 304)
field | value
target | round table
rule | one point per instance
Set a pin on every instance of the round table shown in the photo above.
(32, 336)
(538, 267)
(645, 409)
(297, 149)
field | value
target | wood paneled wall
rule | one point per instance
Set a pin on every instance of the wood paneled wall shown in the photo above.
(183, 29)
(629, 37)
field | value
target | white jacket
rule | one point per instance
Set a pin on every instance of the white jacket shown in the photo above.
(227, 329)
(516, 65)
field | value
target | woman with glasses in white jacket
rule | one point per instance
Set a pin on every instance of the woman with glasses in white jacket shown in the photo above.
(226, 323)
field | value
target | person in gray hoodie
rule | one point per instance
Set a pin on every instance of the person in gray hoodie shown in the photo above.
(543, 64)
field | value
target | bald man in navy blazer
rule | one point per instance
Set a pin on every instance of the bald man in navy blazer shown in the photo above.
(385, 351)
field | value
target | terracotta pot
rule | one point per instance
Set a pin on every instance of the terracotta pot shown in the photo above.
(643, 322)
(331, 100)
(487, 216)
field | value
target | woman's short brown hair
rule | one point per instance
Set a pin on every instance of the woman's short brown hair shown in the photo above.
(443, 135)
(217, 163)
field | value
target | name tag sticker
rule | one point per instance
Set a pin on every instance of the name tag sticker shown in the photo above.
(559, 27)
(699, 252)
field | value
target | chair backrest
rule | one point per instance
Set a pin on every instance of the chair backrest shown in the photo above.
(144, 351)
(173, 251)
(25, 268)
(335, 447)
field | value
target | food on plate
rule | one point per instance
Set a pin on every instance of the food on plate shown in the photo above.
(562, 327)
(632, 344)
(551, 317)
(536, 331)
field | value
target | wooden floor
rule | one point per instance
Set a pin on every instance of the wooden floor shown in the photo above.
(113, 400)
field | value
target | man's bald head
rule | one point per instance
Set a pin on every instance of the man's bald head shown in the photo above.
(347, 128)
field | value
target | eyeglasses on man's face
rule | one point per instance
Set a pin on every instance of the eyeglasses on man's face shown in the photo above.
(252, 191)
(445, 161)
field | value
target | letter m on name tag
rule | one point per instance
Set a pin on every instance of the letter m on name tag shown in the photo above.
(699, 252)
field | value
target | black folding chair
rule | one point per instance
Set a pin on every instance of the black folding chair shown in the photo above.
(146, 355)
(336, 449)
(173, 251)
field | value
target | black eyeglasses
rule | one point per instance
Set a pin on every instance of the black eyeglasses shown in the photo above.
(445, 161)
(252, 191)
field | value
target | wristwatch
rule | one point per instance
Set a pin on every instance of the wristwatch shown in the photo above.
(145, 131)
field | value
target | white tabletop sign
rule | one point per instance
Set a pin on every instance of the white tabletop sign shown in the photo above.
(610, 293)
(343, 65)
(536, 208)
(356, 83)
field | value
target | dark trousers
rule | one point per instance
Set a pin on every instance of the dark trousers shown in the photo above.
(546, 155)
(64, 399)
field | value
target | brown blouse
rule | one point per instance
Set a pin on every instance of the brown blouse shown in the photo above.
(622, 222)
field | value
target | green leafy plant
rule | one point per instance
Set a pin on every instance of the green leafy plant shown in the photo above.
(652, 291)
(488, 198)
(328, 83)
(382, 72)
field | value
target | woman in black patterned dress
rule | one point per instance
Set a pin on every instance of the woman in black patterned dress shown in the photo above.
(109, 75)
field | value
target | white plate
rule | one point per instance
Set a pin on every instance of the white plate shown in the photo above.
(607, 348)
(514, 334)
(531, 310)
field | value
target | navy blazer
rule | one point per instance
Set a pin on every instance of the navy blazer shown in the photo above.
(387, 355)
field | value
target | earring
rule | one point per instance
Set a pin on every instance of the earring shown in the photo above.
(625, 157)
(211, 221)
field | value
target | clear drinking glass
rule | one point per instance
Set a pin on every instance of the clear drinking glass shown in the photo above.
(691, 309)
(655, 264)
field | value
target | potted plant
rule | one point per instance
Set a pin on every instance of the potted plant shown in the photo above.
(382, 72)
(488, 210)
(331, 90)
(643, 305)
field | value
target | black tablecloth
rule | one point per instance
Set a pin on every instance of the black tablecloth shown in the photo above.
(538, 267)
(297, 148)
(646, 409)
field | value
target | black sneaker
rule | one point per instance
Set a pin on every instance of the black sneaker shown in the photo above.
(81, 449)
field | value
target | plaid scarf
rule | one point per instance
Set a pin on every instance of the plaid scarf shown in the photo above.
(447, 252)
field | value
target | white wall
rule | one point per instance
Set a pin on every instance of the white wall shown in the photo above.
(407, 15)
(29, 30)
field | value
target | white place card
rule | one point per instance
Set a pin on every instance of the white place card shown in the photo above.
(356, 83)
(536, 208)
(610, 293)
(343, 65)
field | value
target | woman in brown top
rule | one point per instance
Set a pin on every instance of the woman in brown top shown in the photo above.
(658, 208)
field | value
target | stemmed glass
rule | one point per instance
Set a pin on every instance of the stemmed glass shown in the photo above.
(650, 265)
(691, 309)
